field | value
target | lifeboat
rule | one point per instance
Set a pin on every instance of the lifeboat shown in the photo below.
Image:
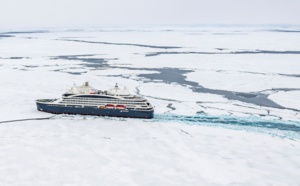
(109, 106)
(120, 107)
(101, 107)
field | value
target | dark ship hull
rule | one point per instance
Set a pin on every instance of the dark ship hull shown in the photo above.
(47, 106)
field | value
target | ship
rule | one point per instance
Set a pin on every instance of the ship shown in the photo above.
(86, 100)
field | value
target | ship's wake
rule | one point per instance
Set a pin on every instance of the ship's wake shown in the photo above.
(281, 128)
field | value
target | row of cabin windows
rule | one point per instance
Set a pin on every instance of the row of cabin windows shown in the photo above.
(101, 102)
(107, 101)
(95, 103)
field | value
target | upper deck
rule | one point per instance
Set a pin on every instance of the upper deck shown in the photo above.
(86, 91)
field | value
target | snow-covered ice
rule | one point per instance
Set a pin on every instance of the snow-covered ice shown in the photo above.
(226, 106)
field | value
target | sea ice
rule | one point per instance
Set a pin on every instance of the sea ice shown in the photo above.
(87, 150)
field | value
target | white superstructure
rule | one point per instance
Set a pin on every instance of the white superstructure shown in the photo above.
(87, 96)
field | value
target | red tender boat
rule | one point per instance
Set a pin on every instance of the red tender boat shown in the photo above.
(110, 106)
(121, 107)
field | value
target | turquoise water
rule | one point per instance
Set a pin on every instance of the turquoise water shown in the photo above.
(281, 128)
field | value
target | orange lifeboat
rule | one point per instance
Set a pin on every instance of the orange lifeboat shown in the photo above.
(121, 107)
(109, 106)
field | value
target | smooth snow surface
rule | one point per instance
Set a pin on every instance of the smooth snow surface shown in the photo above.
(288, 99)
(226, 106)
